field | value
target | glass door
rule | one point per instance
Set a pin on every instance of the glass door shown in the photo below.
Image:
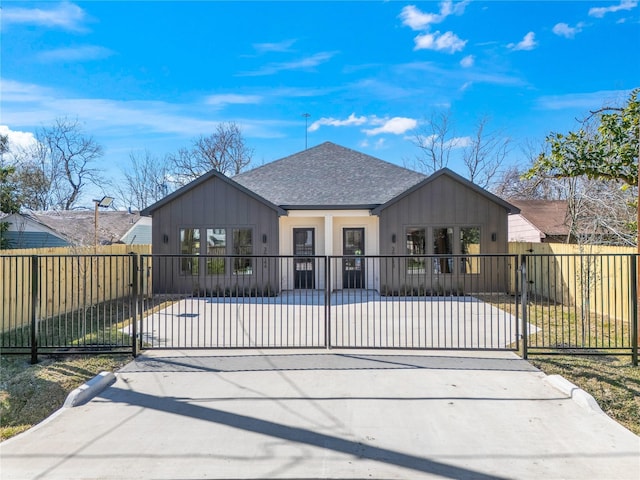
(303, 268)
(352, 266)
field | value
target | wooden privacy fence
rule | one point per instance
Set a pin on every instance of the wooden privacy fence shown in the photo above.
(65, 279)
(593, 278)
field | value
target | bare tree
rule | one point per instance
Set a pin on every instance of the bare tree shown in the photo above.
(484, 154)
(510, 183)
(57, 168)
(146, 180)
(435, 139)
(224, 150)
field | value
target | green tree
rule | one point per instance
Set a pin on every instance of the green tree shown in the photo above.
(8, 192)
(602, 157)
(608, 152)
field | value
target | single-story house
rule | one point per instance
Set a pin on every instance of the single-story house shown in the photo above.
(539, 221)
(76, 228)
(25, 231)
(326, 201)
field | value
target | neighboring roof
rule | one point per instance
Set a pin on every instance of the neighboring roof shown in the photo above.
(25, 231)
(548, 216)
(202, 179)
(451, 174)
(329, 175)
(78, 226)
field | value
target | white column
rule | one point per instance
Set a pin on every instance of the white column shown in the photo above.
(328, 234)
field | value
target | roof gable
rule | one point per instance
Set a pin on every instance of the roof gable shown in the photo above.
(547, 216)
(329, 176)
(212, 174)
(449, 173)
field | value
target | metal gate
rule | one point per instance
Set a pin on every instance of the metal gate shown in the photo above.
(540, 304)
(400, 302)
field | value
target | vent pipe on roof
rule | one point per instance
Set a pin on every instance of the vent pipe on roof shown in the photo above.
(306, 121)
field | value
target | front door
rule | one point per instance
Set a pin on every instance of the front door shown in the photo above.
(352, 265)
(304, 271)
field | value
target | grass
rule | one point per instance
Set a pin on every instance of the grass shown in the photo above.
(30, 393)
(613, 382)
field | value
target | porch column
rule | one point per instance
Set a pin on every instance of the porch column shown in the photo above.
(328, 234)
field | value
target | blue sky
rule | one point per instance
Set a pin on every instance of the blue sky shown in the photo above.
(155, 75)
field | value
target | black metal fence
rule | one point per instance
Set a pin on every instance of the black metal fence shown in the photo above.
(538, 304)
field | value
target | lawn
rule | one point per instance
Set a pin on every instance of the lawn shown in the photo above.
(30, 393)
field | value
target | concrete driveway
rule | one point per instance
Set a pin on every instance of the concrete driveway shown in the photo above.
(337, 414)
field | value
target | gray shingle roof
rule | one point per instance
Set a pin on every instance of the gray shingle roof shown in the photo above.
(79, 228)
(329, 175)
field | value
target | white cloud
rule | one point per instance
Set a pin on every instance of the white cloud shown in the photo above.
(395, 125)
(224, 99)
(443, 42)
(349, 121)
(467, 61)
(459, 142)
(453, 143)
(283, 46)
(17, 140)
(76, 54)
(582, 101)
(302, 64)
(415, 19)
(448, 42)
(379, 144)
(564, 30)
(600, 12)
(65, 15)
(527, 43)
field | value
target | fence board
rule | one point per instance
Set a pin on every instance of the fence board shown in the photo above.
(596, 278)
(69, 277)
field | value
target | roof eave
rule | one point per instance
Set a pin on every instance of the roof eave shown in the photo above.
(330, 207)
(200, 180)
(511, 209)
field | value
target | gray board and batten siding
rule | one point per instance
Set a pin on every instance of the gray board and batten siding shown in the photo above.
(212, 201)
(446, 200)
(324, 180)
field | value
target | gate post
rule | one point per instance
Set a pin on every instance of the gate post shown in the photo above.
(634, 310)
(35, 307)
(327, 302)
(523, 304)
(135, 293)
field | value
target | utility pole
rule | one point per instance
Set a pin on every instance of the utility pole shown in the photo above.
(306, 121)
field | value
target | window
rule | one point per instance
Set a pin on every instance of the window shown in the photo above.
(443, 245)
(216, 245)
(416, 245)
(470, 244)
(189, 245)
(242, 245)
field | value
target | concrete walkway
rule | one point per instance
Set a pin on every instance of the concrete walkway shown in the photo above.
(342, 414)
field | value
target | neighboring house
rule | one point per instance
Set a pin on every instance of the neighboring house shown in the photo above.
(77, 228)
(539, 221)
(327, 200)
(26, 231)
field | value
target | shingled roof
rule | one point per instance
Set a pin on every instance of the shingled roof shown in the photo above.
(329, 176)
(79, 228)
(548, 216)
